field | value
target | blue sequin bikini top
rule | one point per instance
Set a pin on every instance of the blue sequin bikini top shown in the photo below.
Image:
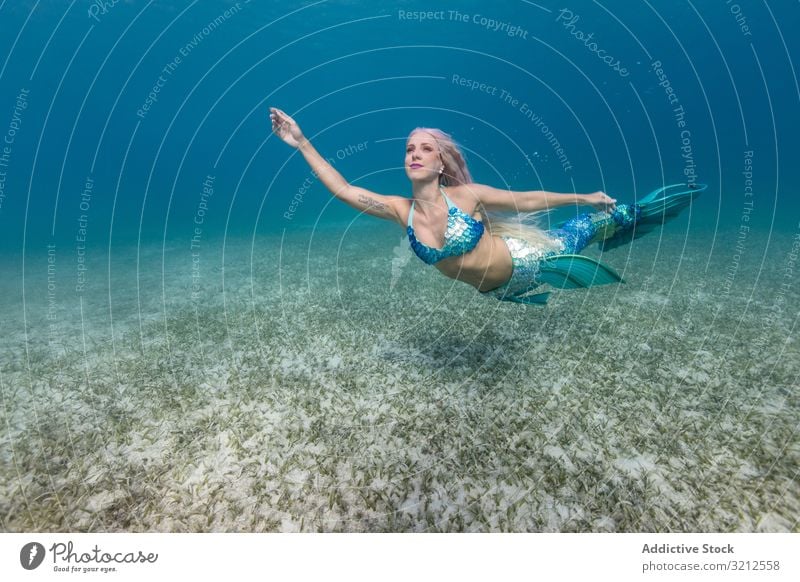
(462, 234)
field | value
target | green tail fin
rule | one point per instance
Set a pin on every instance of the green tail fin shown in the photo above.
(576, 271)
(667, 202)
(661, 205)
(538, 299)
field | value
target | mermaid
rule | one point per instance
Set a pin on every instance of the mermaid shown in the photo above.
(453, 223)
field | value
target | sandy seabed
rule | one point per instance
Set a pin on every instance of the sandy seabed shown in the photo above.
(329, 383)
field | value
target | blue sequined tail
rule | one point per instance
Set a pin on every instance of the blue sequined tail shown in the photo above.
(627, 221)
(579, 232)
(533, 266)
(661, 205)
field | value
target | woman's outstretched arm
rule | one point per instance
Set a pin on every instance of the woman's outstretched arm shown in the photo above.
(535, 200)
(379, 205)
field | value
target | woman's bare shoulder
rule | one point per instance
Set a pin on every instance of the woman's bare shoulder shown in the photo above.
(466, 194)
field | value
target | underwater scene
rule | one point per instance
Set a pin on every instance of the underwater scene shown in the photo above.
(206, 328)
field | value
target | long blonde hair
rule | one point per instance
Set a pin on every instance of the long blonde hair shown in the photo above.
(523, 225)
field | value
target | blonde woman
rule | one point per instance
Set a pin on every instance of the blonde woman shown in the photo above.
(451, 224)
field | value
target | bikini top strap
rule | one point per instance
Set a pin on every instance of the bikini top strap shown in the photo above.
(446, 198)
(411, 212)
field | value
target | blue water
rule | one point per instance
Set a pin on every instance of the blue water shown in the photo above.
(168, 311)
(353, 73)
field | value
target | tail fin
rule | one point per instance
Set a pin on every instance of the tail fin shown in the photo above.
(656, 208)
(568, 272)
(576, 271)
(537, 299)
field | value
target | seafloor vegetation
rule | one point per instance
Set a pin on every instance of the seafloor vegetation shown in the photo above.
(347, 393)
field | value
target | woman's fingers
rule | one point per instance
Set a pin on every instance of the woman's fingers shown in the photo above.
(283, 126)
(604, 202)
(609, 202)
(279, 119)
(284, 117)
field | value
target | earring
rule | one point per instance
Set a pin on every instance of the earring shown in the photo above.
(441, 169)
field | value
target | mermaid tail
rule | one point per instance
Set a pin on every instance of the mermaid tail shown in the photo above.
(576, 272)
(533, 266)
(653, 210)
(568, 272)
(536, 299)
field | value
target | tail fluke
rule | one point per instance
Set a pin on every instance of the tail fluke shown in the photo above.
(576, 271)
(537, 299)
(655, 209)
(667, 202)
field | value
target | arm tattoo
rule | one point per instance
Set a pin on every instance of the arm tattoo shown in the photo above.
(371, 202)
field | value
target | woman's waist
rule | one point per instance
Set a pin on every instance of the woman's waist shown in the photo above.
(489, 264)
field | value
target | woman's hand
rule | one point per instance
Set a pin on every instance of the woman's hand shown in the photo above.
(600, 201)
(285, 127)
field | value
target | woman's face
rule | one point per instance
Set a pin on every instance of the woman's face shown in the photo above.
(422, 157)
